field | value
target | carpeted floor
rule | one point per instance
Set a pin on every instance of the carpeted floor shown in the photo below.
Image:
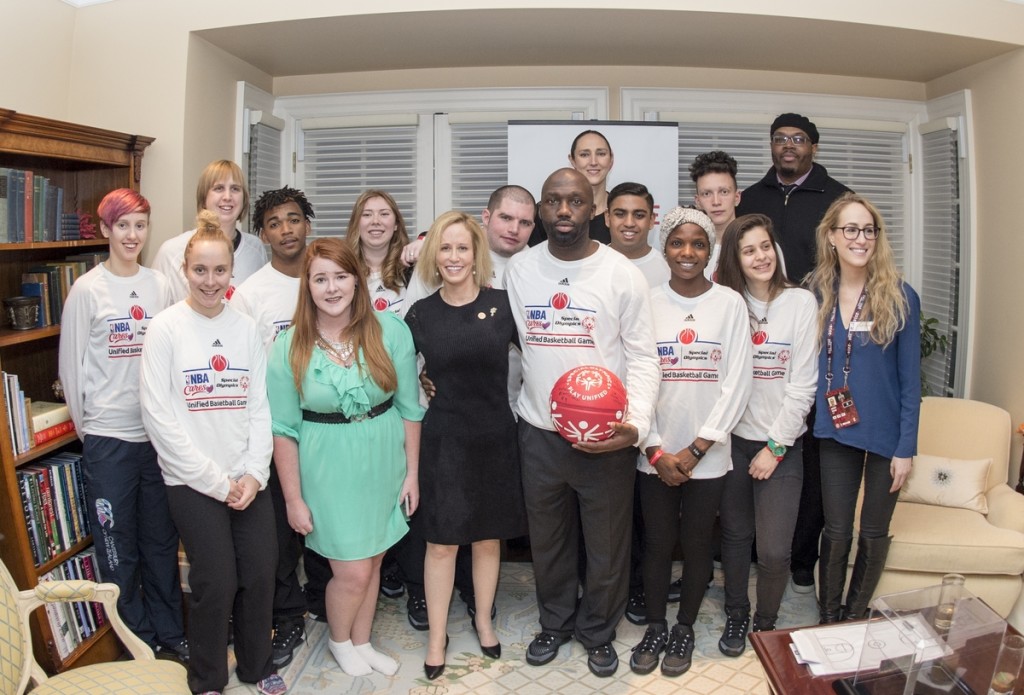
(314, 671)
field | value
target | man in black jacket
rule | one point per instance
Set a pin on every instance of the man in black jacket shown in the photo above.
(795, 193)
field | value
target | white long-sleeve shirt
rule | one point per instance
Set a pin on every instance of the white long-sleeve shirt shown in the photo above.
(571, 313)
(654, 268)
(269, 297)
(785, 347)
(103, 325)
(250, 256)
(204, 399)
(704, 349)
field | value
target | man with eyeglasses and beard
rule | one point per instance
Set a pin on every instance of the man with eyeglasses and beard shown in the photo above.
(794, 194)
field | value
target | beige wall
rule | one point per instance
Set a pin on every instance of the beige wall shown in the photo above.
(39, 87)
(999, 163)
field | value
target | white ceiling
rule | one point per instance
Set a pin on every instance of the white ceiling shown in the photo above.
(487, 38)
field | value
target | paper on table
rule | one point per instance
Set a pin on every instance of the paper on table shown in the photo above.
(838, 648)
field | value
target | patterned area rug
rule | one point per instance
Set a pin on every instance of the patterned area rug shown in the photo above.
(314, 671)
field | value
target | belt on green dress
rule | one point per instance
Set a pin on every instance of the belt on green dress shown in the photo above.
(342, 419)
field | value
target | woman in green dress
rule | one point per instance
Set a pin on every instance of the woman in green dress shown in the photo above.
(346, 417)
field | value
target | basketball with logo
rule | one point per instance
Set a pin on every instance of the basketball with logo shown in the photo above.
(584, 400)
(380, 304)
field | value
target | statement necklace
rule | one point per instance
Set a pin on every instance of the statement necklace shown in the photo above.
(343, 350)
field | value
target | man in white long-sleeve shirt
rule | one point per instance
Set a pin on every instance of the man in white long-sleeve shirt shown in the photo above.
(607, 322)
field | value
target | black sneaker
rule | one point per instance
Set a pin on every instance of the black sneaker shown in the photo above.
(544, 648)
(602, 660)
(678, 651)
(762, 624)
(734, 637)
(287, 637)
(803, 581)
(391, 586)
(647, 654)
(417, 608)
(675, 590)
(177, 651)
(636, 609)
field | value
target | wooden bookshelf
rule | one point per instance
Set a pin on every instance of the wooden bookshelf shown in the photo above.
(88, 163)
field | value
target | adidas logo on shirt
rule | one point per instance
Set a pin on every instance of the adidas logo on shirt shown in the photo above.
(764, 320)
(564, 281)
(216, 343)
(133, 295)
(380, 288)
(689, 317)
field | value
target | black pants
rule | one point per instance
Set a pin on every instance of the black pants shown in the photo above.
(233, 555)
(135, 540)
(685, 513)
(289, 601)
(567, 490)
(811, 516)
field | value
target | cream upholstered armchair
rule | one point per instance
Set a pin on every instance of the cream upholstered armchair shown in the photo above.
(146, 675)
(965, 517)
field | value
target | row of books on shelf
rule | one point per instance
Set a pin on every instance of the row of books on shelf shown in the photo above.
(31, 208)
(74, 623)
(53, 499)
(32, 423)
(52, 281)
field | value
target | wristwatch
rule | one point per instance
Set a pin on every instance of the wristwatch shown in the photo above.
(777, 450)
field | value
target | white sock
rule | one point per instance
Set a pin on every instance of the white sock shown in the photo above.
(348, 658)
(382, 663)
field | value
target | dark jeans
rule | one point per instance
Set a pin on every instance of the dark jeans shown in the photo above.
(810, 518)
(289, 601)
(769, 507)
(567, 490)
(135, 540)
(685, 513)
(842, 470)
(233, 555)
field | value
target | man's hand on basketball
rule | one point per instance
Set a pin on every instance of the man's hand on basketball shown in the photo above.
(623, 435)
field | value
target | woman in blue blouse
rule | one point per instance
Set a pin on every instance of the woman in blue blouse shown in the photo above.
(869, 396)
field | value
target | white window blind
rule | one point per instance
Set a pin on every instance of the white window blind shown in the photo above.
(479, 161)
(867, 161)
(263, 163)
(341, 163)
(941, 261)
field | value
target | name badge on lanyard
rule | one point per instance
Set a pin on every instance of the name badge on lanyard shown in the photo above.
(840, 401)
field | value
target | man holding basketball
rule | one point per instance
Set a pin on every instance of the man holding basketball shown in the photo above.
(577, 302)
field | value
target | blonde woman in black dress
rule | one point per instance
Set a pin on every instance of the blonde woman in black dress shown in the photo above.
(470, 484)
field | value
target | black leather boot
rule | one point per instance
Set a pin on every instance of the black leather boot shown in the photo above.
(832, 577)
(867, 570)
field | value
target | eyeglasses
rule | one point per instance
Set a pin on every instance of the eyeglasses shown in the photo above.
(851, 232)
(795, 139)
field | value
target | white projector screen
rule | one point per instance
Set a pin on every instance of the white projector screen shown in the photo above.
(646, 153)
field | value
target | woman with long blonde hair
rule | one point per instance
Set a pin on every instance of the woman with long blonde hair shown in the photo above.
(868, 399)
(346, 420)
(377, 233)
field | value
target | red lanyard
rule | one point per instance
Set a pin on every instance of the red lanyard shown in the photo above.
(849, 338)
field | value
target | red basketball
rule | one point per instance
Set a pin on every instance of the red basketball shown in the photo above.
(560, 300)
(759, 337)
(584, 400)
(137, 312)
(380, 304)
(230, 291)
(218, 363)
(687, 336)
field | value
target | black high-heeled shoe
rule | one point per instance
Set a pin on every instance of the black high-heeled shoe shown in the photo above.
(434, 672)
(493, 651)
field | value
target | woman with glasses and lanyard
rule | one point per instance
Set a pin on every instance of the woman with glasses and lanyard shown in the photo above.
(868, 399)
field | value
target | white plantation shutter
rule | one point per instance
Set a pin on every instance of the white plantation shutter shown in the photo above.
(341, 162)
(941, 258)
(263, 163)
(867, 161)
(479, 161)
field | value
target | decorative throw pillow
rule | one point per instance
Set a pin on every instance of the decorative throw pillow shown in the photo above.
(947, 482)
